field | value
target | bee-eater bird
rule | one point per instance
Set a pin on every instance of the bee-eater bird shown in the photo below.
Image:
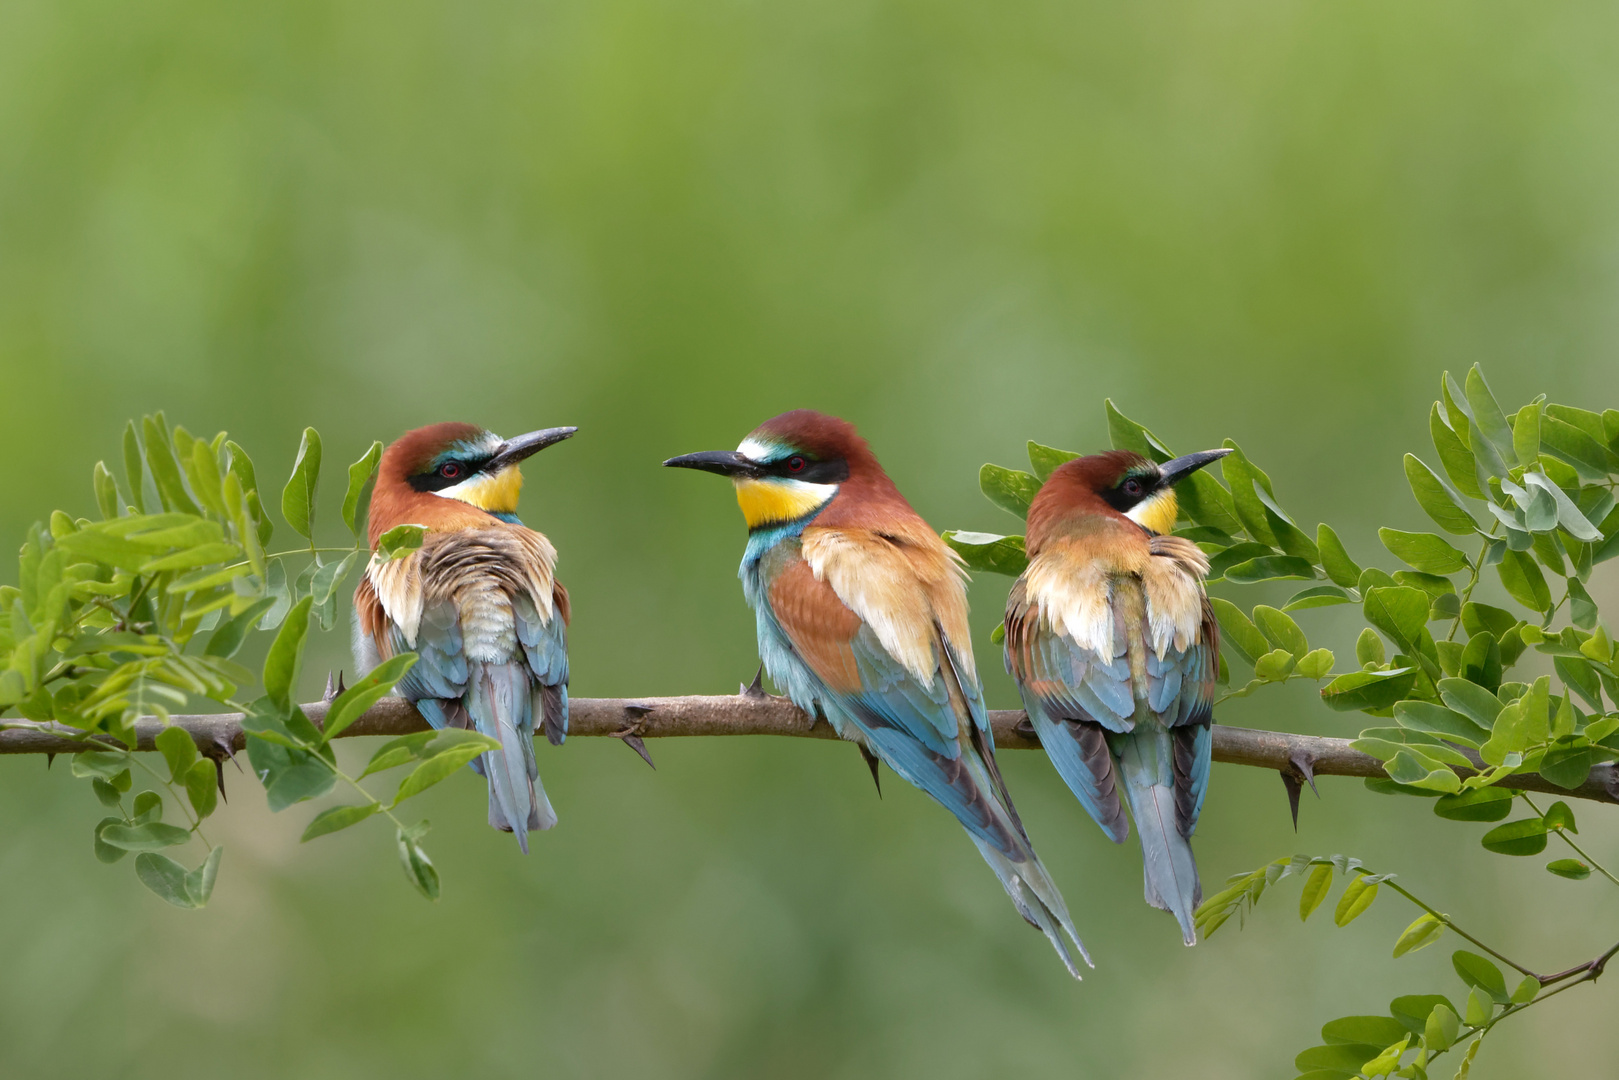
(862, 618)
(478, 603)
(1115, 650)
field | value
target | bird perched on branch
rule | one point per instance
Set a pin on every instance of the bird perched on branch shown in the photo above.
(862, 618)
(478, 602)
(1114, 648)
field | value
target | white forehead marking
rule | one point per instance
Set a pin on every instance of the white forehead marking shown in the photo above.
(758, 450)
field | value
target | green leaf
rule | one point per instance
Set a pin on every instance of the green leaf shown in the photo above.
(1369, 689)
(1479, 804)
(105, 852)
(152, 836)
(338, 817)
(1238, 631)
(202, 469)
(1568, 514)
(1043, 459)
(1009, 489)
(178, 749)
(1423, 932)
(1341, 1058)
(1206, 502)
(1560, 816)
(1454, 456)
(1317, 596)
(1335, 559)
(1281, 630)
(1582, 610)
(989, 552)
(1271, 568)
(1563, 440)
(1369, 649)
(1316, 887)
(400, 751)
(298, 497)
(1472, 701)
(1524, 582)
(435, 769)
(1368, 1030)
(419, 869)
(353, 702)
(400, 541)
(1526, 435)
(1487, 414)
(1413, 1010)
(1423, 551)
(134, 470)
(1427, 716)
(360, 474)
(1478, 1009)
(165, 877)
(106, 488)
(1126, 434)
(1243, 479)
(1526, 836)
(200, 882)
(1274, 666)
(227, 638)
(1417, 769)
(202, 789)
(1316, 664)
(148, 807)
(1567, 767)
(286, 655)
(165, 471)
(1440, 1032)
(1221, 561)
(1573, 869)
(1476, 971)
(1437, 498)
(1400, 612)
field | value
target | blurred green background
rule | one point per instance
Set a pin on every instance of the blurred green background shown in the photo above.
(961, 225)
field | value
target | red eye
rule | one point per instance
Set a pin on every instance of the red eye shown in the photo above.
(450, 470)
(1132, 487)
(795, 464)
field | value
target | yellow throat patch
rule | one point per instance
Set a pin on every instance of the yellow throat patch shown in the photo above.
(770, 502)
(1157, 513)
(496, 494)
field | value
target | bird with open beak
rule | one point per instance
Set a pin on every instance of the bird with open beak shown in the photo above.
(478, 603)
(1115, 650)
(862, 618)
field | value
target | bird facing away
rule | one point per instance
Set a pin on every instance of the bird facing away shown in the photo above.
(478, 602)
(862, 618)
(1114, 647)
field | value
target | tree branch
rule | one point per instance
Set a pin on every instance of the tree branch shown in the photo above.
(221, 734)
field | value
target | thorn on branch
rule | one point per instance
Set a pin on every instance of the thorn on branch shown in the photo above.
(871, 763)
(756, 689)
(49, 760)
(1300, 771)
(631, 734)
(332, 691)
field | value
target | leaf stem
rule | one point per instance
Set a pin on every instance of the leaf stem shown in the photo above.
(1563, 833)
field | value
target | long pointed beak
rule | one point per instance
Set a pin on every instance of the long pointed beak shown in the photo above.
(1177, 469)
(514, 450)
(724, 462)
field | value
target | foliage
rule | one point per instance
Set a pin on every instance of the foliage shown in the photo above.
(1532, 495)
(142, 612)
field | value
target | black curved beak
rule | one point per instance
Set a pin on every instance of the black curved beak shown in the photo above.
(725, 462)
(1177, 469)
(514, 450)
